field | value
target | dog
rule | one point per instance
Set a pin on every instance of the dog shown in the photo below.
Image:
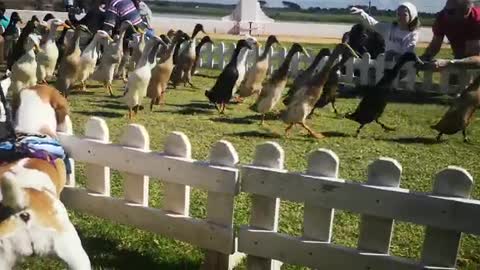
(33, 220)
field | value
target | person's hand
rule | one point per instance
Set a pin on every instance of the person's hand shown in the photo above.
(441, 63)
(355, 10)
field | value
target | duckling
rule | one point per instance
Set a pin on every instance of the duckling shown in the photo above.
(304, 76)
(198, 48)
(221, 92)
(139, 78)
(374, 101)
(186, 59)
(48, 55)
(11, 34)
(273, 88)
(162, 71)
(89, 57)
(242, 63)
(24, 71)
(70, 63)
(256, 74)
(460, 114)
(19, 47)
(305, 98)
(112, 54)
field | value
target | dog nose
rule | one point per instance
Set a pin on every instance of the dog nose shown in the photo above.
(25, 217)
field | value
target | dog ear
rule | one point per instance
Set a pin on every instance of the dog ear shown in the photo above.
(13, 195)
(60, 104)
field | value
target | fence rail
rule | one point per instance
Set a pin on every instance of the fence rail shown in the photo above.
(446, 212)
(357, 70)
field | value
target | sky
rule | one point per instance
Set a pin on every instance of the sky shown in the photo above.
(431, 6)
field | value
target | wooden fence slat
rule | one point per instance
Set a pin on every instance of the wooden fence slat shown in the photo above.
(376, 232)
(440, 247)
(67, 130)
(265, 210)
(135, 187)
(317, 221)
(177, 196)
(98, 177)
(220, 208)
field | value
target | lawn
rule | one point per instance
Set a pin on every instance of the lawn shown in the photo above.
(113, 246)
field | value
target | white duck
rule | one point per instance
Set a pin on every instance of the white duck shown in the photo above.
(48, 55)
(89, 57)
(139, 78)
(24, 71)
(111, 57)
(241, 63)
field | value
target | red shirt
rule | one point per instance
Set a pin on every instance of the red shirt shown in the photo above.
(459, 32)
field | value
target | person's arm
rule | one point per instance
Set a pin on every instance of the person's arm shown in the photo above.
(367, 19)
(472, 62)
(111, 15)
(433, 48)
(410, 42)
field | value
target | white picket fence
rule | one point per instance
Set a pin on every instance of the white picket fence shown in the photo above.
(446, 212)
(217, 57)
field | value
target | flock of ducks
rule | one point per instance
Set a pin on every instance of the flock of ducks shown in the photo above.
(150, 65)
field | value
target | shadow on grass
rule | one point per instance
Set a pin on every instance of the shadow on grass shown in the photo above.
(101, 114)
(412, 140)
(232, 120)
(81, 93)
(193, 108)
(206, 76)
(257, 134)
(107, 254)
(336, 134)
(114, 106)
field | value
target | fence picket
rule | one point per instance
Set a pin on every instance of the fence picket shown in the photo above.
(98, 177)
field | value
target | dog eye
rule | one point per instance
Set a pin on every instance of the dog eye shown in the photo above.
(25, 217)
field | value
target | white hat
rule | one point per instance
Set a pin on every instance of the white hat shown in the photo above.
(412, 9)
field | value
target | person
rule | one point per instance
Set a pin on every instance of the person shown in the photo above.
(118, 11)
(459, 21)
(146, 15)
(4, 21)
(400, 36)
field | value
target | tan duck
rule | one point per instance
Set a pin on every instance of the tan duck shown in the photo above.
(24, 70)
(111, 57)
(162, 71)
(461, 112)
(273, 88)
(186, 59)
(305, 98)
(69, 66)
(48, 55)
(139, 78)
(252, 84)
(89, 57)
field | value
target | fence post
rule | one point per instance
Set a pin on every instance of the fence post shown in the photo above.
(427, 81)
(317, 221)
(222, 52)
(220, 207)
(272, 56)
(135, 187)
(209, 50)
(444, 80)
(265, 210)
(379, 67)
(98, 177)
(67, 128)
(177, 196)
(349, 70)
(376, 232)
(364, 68)
(411, 76)
(440, 247)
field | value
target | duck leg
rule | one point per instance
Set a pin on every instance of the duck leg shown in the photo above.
(385, 127)
(465, 138)
(334, 108)
(129, 114)
(263, 119)
(358, 130)
(84, 86)
(439, 136)
(151, 104)
(311, 132)
(287, 130)
(222, 108)
(110, 90)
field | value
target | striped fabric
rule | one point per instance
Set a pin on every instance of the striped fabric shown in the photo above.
(121, 10)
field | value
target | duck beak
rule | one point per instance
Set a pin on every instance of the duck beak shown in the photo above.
(305, 52)
(36, 47)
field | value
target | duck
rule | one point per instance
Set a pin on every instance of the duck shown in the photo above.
(242, 63)
(111, 57)
(48, 55)
(138, 79)
(198, 48)
(252, 84)
(186, 59)
(70, 63)
(19, 47)
(11, 33)
(374, 101)
(460, 114)
(89, 57)
(305, 75)
(137, 45)
(305, 98)
(221, 92)
(162, 71)
(24, 70)
(272, 90)
(62, 40)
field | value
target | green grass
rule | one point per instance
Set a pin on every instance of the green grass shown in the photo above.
(114, 246)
